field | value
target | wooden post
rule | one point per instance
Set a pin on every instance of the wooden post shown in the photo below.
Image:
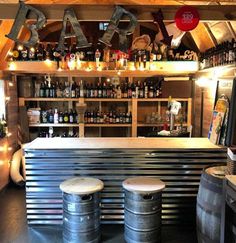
(134, 116)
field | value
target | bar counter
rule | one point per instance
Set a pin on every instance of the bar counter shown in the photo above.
(176, 161)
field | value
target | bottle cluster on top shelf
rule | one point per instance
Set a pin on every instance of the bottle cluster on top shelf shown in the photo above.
(71, 58)
(222, 54)
(146, 89)
(111, 117)
(55, 116)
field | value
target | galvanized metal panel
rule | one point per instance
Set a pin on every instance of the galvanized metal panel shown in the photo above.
(179, 169)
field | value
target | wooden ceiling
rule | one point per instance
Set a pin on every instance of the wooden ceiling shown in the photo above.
(121, 2)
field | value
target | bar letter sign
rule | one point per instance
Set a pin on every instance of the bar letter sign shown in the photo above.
(33, 28)
(69, 15)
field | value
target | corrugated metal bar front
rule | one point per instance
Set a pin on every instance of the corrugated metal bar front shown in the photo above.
(180, 170)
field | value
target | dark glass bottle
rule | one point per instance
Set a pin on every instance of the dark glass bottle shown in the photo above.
(24, 54)
(49, 52)
(71, 117)
(31, 54)
(66, 117)
(50, 116)
(42, 90)
(40, 53)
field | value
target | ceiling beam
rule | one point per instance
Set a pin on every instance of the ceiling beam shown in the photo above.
(202, 37)
(143, 13)
(114, 2)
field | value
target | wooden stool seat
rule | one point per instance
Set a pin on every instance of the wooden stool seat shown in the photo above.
(81, 185)
(143, 184)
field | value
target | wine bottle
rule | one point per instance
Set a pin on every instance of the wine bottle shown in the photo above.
(56, 117)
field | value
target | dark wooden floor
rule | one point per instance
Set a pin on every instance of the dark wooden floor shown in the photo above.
(14, 229)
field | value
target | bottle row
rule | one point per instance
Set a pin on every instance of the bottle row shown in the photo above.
(49, 51)
(112, 117)
(146, 89)
(222, 54)
(3, 127)
(51, 133)
(94, 116)
(56, 116)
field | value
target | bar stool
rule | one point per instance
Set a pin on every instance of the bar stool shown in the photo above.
(143, 209)
(81, 210)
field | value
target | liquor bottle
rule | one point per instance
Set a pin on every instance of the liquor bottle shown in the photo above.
(67, 90)
(97, 57)
(50, 116)
(144, 60)
(96, 91)
(50, 132)
(100, 90)
(49, 52)
(71, 117)
(133, 88)
(75, 116)
(110, 117)
(129, 91)
(42, 90)
(24, 54)
(141, 91)
(104, 90)
(61, 117)
(118, 92)
(123, 117)
(15, 54)
(58, 91)
(51, 90)
(40, 53)
(56, 117)
(44, 117)
(145, 90)
(31, 54)
(150, 92)
(153, 54)
(46, 88)
(66, 117)
(130, 117)
(81, 94)
(88, 93)
(73, 90)
(127, 120)
(137, 86)
(86, 117)
(77, 91)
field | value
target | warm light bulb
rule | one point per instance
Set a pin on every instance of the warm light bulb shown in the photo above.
(11, 84)
(48, 62)
(108, 80)
(119, 73)
(202, 82)
(59, 69)
(12, 66)
(20, 48)
(7, 99)
(32, 49)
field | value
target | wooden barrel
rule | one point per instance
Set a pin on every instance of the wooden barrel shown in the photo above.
(143, 209)
(81, 211)
(209, 201)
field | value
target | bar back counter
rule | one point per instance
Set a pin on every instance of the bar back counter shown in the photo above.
(176, 161)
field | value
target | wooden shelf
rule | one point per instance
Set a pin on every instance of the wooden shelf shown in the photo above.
(157, 124)
(54, 125)
(107, 100)
(160, 99)
(174, 68)
(107, 125)
(49, 99)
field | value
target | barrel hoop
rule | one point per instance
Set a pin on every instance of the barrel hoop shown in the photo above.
(210, 185)
(142, 230)
(205, 238)
(209, 208)
(211, 177)
(144, 213)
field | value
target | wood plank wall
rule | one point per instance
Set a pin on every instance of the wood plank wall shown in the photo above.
(208, 104)
(9, 144)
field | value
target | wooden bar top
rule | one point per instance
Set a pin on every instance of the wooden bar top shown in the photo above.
(122, 143)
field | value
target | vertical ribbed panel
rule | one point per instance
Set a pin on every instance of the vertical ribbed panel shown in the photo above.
(180, 170)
